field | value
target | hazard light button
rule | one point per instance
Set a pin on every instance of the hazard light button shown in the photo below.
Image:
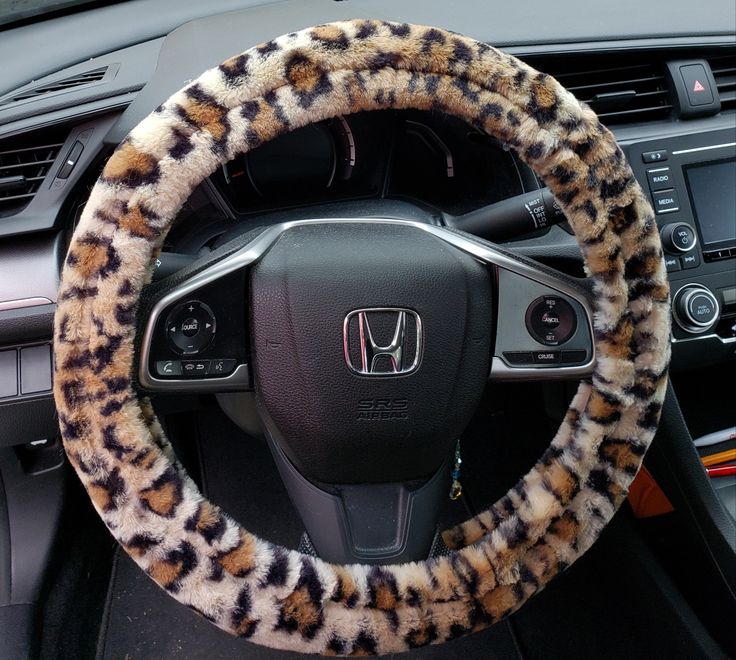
(695, 92)
(697, 84)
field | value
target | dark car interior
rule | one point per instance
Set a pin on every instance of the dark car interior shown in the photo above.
(77, 77)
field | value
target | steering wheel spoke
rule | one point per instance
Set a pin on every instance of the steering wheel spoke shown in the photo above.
(543, 328)
(196, 332)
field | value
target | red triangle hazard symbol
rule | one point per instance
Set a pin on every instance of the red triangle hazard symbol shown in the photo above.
(698, 86)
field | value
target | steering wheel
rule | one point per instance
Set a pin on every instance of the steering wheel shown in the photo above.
(395, 319)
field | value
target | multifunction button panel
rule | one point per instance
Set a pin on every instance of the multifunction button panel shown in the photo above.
(201, 336)
(690, 181)
(190, 327)
(557, 331)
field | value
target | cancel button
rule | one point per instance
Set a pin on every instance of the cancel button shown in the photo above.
(546, 357)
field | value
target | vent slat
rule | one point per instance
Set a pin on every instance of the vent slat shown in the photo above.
(24, 149)
(724, 73)
(32, 163)
(597, 72)
(27, 159)
(634, 111)
(86, 78)
(623, 82)
(639, 95)
(16, 197)
(621, 87)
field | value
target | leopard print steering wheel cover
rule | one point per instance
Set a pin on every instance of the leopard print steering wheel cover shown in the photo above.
(274, 596)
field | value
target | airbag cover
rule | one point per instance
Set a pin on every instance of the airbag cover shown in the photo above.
(339, 426)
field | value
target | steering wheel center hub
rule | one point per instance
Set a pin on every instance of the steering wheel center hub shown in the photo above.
(371, 340)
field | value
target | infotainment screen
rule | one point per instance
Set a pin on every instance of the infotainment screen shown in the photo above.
(712, 189)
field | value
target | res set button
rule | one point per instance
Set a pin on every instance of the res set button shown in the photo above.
(551, 320)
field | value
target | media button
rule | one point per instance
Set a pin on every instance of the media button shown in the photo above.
(666, 201)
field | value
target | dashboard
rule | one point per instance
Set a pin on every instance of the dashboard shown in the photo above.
(667, 89)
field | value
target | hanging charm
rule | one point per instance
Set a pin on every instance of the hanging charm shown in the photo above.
(456, 489)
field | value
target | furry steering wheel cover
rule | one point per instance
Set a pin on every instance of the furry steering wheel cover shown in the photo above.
(204, 559)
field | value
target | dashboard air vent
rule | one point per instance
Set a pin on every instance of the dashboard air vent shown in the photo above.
(724, 72)
(85, 78)
(24, 164)
(621, 88)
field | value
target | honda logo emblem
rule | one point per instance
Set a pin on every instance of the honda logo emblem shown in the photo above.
(382, 341)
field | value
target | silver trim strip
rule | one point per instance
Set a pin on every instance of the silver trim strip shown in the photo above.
(712, 335)
(712, 146)
(22, 303)
(260, 245)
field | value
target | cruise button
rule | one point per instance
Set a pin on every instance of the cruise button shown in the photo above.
(666, 201)
(546, 357)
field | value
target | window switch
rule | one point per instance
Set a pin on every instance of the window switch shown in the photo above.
(8, 373)
(35, 369)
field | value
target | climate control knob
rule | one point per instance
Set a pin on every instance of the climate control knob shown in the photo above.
(678, 237)
(696, 308)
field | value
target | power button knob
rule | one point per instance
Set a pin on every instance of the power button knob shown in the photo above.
(696, 308)
(678, 237)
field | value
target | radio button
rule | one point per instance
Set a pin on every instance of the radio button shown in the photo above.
(655, 156)
(678, 237)
(659, 179)
(666, 201)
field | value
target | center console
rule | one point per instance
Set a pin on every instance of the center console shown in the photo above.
(692, 183)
